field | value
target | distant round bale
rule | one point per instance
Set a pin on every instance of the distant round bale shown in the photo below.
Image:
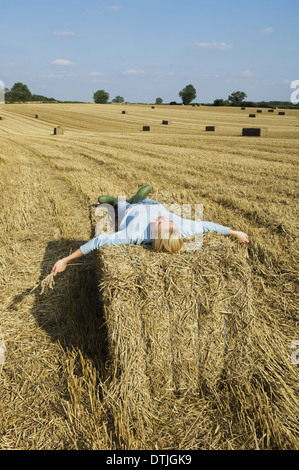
(123, 112)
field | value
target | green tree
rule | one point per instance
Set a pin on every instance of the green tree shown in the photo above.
(188, 94)
(7, 95)
(41, 98)
(237, 97)
(19, 92)
(218, 102)
(118, 99)
(101, 96)
(159, 101)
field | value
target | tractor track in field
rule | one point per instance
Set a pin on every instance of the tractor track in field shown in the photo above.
(64, 184)
(166, 162)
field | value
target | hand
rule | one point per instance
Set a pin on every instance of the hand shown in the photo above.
(240, 236)
(59, 267)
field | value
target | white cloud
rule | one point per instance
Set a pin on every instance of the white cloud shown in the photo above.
(114, 8)
(63, 62)
(94, 11)
(268, 30)
(237, 77)
(95, 74)
(247, 74)
(8, 64)
(221, 46)
(133, 72)
(64, 33)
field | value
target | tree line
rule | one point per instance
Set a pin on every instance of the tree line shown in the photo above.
(21, 93)
(187, 95)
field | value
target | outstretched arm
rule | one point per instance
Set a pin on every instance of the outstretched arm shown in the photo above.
(191, 227)
(118, 238)
(61, 264)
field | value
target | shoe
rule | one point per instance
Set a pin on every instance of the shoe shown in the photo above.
(141, 194)
(107, 200)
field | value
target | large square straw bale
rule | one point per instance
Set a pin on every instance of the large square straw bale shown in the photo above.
(174, 321)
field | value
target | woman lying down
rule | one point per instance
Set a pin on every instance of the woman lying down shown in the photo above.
(142, 220)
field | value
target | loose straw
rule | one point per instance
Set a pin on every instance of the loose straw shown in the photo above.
(48, 281)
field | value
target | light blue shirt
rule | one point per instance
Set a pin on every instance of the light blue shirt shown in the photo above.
(134, 227)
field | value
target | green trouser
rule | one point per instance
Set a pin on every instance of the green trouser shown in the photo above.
(141, 194)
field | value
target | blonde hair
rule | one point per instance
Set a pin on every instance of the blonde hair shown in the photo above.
(171, 244)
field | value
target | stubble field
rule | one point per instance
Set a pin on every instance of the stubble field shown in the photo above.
(56, 386)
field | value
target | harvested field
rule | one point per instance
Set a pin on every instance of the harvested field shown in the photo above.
(131, 349)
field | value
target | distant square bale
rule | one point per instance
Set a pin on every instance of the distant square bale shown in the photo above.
(36, 116)
(281, 113)
(146, 128)
(259, 110)
(252, 115)
(254, 131)
(243, 109)
(153, 107)
(58, 130)
(123, 112)
(270, 110)
(210, 128)
(2, 118)
(166, 122)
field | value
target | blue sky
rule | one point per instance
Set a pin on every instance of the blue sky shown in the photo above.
(144, 49)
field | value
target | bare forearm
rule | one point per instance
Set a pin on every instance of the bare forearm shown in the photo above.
(61, 264)
(77, 254)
